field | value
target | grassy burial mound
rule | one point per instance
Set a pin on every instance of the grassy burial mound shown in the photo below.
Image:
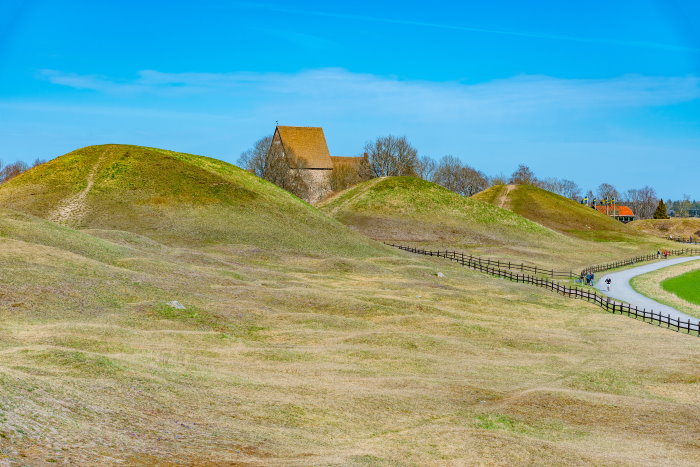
(174, 198)
(412, 211)
(683, 227)
(557, 212)
(409, 210)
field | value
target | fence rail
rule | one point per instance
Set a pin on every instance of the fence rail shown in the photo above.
(638, 259)
(472, 261)
(608, 304)
(690, 240)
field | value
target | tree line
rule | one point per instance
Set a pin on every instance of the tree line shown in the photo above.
(10, 171)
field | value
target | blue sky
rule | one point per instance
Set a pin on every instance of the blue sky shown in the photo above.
(597, 91)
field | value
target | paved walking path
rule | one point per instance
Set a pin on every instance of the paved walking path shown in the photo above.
(622, 290)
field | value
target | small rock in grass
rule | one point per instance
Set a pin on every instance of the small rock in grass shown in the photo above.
(439, 274)
(177, 305)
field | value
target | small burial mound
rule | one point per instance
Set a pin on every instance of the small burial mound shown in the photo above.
(557, 212)
(680, 226)
(175, 198)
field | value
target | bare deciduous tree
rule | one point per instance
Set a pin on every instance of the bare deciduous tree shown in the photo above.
(499, 179)
(607, 191)
(643, 201)
(570, 189)
(391, 156)
(10, 171)
(551, 184)
(523, 176)
(270, 162)
(254, 160)
(458, 177)
(563, 187)
(344, 176)
(683, 206)
(426, 167)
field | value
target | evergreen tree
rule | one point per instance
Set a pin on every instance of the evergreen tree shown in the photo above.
(660, 212)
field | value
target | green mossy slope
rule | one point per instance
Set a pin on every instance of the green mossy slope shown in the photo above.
(175, 198)
(557, 212)
(408, 208)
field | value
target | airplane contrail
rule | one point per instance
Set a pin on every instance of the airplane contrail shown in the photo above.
(503, 32)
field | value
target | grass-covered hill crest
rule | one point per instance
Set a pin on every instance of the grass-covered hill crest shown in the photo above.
(416, 198)
(555, 211)
(174, 198)
(408, 209)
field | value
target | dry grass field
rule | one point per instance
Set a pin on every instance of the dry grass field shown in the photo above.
(355, 354)
(684, 227)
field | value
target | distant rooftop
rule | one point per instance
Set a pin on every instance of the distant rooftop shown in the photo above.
(615, 210)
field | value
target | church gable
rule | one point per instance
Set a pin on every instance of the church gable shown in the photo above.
(305, 147)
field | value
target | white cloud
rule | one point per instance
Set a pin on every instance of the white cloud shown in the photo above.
(334, 90)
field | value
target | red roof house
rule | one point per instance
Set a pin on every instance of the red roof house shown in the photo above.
(619, 212)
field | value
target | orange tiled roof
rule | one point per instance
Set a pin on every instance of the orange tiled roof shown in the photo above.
(306, 144)
(616, 210)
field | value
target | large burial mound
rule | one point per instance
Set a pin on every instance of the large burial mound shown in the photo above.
(684, 227)
(411, 209)
(538, 227)
(175, 198)
(557, 212)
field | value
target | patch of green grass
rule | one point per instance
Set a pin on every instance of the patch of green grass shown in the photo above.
(77, 362)
(549, 428)
(373, 461)
(279, 355)
(494, 421)
(685, 286)
(91, 345)
(606, 380)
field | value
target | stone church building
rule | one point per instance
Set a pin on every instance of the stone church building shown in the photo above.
(306, 151)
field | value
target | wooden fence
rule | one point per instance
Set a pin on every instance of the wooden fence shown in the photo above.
(473, 261)
(639, 259)
(690, 240)
(608, 304)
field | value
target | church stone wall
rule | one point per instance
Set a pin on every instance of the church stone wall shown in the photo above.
(319, 183)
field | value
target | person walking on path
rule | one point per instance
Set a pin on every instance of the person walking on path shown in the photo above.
(608, 281)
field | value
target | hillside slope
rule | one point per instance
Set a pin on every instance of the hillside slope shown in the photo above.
(684, 227)
(409, 210)
(556, 212)
(412, 211)
(175, 198)
(382, 206)
(288, 358)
